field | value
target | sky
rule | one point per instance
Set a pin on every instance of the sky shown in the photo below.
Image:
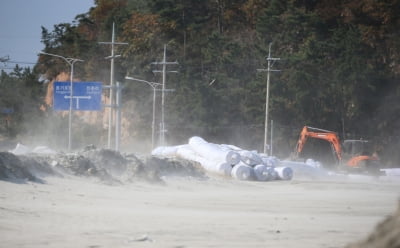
(21, 22)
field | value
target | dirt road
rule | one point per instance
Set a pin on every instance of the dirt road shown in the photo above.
(186, 212)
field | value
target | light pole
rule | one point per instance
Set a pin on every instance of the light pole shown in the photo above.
(70, 62)
(154, 86)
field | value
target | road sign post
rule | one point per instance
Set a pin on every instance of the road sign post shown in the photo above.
(86, 96)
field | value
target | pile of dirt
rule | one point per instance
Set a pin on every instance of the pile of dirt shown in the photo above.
(109, 166)
(385, 235)
(167, 167)
(111, 161)
(13, 168)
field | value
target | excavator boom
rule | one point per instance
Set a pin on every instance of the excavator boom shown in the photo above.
(311, 132)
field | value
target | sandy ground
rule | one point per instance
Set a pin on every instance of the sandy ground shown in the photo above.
(186, 212)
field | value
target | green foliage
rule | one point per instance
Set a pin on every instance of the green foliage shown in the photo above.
(20, 99)
(339, 66)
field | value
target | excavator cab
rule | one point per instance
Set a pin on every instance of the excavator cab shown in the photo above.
(356, 147)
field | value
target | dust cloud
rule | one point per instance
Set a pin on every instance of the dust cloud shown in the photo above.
(102, 198)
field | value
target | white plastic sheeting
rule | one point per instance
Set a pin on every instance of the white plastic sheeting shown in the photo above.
(391, 171)
(226, 160)
(264, 172)
(220, 167)
(284, 173)
(310, 169)
(250, 158)
(242, 171)
(21, 149)
(213, 151)
(165, 151)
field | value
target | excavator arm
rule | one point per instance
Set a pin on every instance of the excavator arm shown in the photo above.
(310, 132)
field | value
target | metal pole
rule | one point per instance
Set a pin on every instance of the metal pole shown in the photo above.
(70, 108)
(154, 116)
(154, 86)
(272, 135)
(70, 62)
(110, 114)
(118, 117)
(267, 103)
(164, 71)
(112, 57)
(162, 133)
(269, 59)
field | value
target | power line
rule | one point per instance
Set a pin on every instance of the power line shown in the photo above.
(21, 62)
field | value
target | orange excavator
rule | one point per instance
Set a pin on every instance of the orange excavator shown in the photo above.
(351, 155)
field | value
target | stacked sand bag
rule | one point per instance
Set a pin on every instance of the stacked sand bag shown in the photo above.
(228, 160)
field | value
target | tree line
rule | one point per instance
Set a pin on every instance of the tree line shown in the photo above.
(339, 67)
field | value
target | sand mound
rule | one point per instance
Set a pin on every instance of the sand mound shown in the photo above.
(174, 167)
(385, 235)
(109, 166)
(13, 168)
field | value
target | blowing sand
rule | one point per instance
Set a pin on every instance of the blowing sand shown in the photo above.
(71, 211)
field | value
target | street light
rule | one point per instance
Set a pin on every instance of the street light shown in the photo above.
(154, 86)
(70, 62)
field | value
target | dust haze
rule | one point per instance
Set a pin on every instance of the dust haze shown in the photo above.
(100, 198)
(96, 197)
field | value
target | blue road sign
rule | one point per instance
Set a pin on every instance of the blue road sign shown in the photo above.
(86, 96)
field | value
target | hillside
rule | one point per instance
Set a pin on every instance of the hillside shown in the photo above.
(338, 70)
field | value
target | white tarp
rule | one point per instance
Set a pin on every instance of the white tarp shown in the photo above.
(227, 160)
(284, 173)
(165, 151)
(242, 171)
(250, 158)
(21, 149)
(213, 151)
(264, 172)
(220, 167)
(391, 171)
(301, 169)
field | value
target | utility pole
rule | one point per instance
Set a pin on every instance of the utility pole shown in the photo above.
(112, 105)
(164, 63)
(270, 61)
